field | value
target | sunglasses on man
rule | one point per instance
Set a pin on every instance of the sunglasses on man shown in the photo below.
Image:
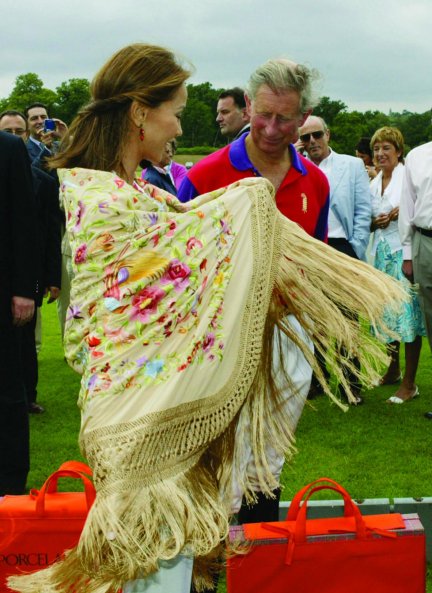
(317, 135)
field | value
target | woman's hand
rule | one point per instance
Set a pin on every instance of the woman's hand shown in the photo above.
(394, 214)
(381, 221)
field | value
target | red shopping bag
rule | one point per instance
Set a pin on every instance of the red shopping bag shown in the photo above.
(36, 529)
(349, 554)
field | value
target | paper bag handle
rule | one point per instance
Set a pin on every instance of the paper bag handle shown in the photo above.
(50, 486)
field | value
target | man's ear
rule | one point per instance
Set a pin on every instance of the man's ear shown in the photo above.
(245, 115)
(304, 117)
(248, 105)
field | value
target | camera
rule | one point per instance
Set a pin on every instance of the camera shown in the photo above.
(49, 125)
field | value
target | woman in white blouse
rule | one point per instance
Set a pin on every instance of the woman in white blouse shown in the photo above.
(387, 144)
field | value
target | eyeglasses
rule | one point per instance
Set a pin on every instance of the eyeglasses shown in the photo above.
(317, 135)
(15, 131)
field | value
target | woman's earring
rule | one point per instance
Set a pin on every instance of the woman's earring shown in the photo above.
(141, 134)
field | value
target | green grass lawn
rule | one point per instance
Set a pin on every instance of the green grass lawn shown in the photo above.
(374, 451)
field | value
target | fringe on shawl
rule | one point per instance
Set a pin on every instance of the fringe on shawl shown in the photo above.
(336, 299)
(333, 296)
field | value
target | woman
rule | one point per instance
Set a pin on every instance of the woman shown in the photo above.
(174, 312)
(387, 144)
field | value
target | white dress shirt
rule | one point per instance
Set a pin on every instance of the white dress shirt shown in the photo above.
(335, 228)
(382, 203)
(416, 202)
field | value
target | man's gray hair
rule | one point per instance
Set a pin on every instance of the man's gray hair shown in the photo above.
(284, 75)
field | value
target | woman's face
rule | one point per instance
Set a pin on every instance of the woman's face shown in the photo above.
(386, 155)
(161, 125)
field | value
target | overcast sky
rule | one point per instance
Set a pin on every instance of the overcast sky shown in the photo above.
(372, 54)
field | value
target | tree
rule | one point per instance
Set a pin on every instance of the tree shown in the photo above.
(199, 118)
(328, 109)
(71, 96)
(28, 89)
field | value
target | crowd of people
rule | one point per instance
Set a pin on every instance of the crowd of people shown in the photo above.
(202, 306)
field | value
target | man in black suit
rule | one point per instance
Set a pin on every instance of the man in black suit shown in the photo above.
(49, 227)
(19, 269)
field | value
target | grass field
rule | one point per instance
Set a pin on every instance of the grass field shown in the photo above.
(374, 451)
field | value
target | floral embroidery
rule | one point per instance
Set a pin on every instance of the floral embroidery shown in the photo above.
(139, 292)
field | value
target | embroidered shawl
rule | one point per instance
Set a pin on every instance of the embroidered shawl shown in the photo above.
(171, 322)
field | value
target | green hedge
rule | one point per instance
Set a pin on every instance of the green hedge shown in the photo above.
(196, 150)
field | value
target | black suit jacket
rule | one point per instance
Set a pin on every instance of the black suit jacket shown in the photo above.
(50, 220)
(19, 248)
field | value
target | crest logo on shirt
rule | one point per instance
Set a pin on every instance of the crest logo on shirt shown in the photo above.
(304, 202)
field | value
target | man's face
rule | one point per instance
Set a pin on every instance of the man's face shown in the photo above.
(275, 119)
(229, 117)
(315, 139)
(36, 117)
(14, 124)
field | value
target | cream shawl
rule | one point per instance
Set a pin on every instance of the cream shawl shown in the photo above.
(173, 309)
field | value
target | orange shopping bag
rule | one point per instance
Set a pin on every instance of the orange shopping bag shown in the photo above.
(349, 554)
(36, 528)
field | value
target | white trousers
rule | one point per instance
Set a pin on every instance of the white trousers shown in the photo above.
(299, 371)
(173, 576)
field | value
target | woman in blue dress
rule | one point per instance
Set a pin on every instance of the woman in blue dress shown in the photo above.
(388, 144)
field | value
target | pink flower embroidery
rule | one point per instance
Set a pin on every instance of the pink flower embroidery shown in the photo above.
(172, 227)
(177, 274)
(208, 342)
(192, 243)
(81, 254)
(79, 214)
(145, 303)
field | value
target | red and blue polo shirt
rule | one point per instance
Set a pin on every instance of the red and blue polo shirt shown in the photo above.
(303, 195)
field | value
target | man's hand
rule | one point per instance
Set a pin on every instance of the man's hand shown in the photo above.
(22, 310)
(52, 292)
(49, 137)
(407, 269)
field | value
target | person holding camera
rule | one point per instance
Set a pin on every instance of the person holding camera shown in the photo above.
(45, 134)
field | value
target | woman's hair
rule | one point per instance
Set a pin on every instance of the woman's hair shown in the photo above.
(392, 135)
(97, 136)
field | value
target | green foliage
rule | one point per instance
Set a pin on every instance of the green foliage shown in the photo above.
(71, 95)
(328, 109)
(199, 118)
(28, 89)
(203, 150)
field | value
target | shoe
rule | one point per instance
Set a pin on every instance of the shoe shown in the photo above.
(314, 391)
(390, 382)
(428, 415)
(394, 399)
(35, 408)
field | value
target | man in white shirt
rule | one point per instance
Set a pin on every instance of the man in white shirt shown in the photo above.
(415, 228)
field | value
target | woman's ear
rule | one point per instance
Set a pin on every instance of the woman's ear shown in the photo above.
(138, 113)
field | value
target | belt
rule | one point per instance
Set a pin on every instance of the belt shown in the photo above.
(425, 232)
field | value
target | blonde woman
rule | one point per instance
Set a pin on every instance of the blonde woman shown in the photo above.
(388, 144)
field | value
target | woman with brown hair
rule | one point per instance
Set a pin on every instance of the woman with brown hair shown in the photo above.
(388, 144)
(174, 312)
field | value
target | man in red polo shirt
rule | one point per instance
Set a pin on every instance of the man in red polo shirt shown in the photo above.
(279, 98)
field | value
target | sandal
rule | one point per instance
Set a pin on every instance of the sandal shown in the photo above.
(394, 399)
(385, 381)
